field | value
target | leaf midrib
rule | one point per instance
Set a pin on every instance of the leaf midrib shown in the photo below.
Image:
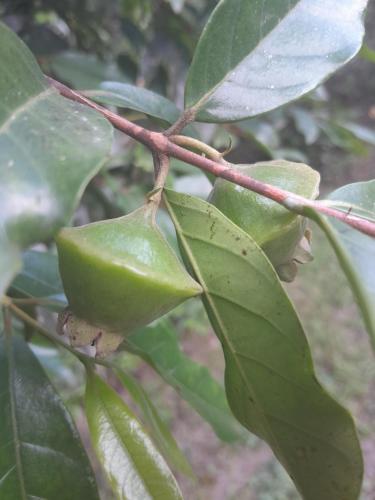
(199, 104)
(32, 101)
(263, 417)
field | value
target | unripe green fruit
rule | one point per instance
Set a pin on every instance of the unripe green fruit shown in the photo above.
(121, 274)
(276, 230)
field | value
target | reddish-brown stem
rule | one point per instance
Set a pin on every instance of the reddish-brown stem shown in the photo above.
(160, 143)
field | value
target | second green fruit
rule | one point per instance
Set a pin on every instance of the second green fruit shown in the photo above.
(276, 230)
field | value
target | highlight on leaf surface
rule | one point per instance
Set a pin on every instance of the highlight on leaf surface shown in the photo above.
(256, 55)
(134, 467)
(158, 429)
(119, 275)
(50, 148)
(41, 454)
(281, 234)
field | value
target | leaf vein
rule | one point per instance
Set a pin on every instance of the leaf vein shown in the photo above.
(25, 107)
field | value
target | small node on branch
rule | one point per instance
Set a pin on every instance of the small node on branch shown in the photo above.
(157, 142)
(187, 117)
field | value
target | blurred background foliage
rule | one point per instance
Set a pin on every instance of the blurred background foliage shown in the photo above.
(150, 43)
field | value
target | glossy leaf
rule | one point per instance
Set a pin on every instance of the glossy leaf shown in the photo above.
(85, 71)
(157, 427)
(134, 467)
(158, 345)
(270, 381)
(49, 149)
(354, 250)
(139, 99)
(256, 55)
(41, 455)
(145, 101)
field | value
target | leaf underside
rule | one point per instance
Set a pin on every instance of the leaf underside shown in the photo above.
(270, 380)
(137, 98)
(134, 467)
(256, 55)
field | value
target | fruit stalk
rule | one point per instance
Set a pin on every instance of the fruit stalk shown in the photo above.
(161, 169)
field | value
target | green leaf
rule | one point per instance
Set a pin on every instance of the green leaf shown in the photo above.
(354, 250)
(85, 71)
(158, 429)
(41, 455)
(134, 467)
(40, 278)
(256, 55)
(158, 346)
(139, 99)
(270, 381)
(145, 101)
(50, 147)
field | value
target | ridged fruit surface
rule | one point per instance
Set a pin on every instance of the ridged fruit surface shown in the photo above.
(121, 274)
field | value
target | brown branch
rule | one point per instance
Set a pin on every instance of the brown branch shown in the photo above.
(160, 143)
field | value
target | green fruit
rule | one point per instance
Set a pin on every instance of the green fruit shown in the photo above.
(121, 274)
(276, 230)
